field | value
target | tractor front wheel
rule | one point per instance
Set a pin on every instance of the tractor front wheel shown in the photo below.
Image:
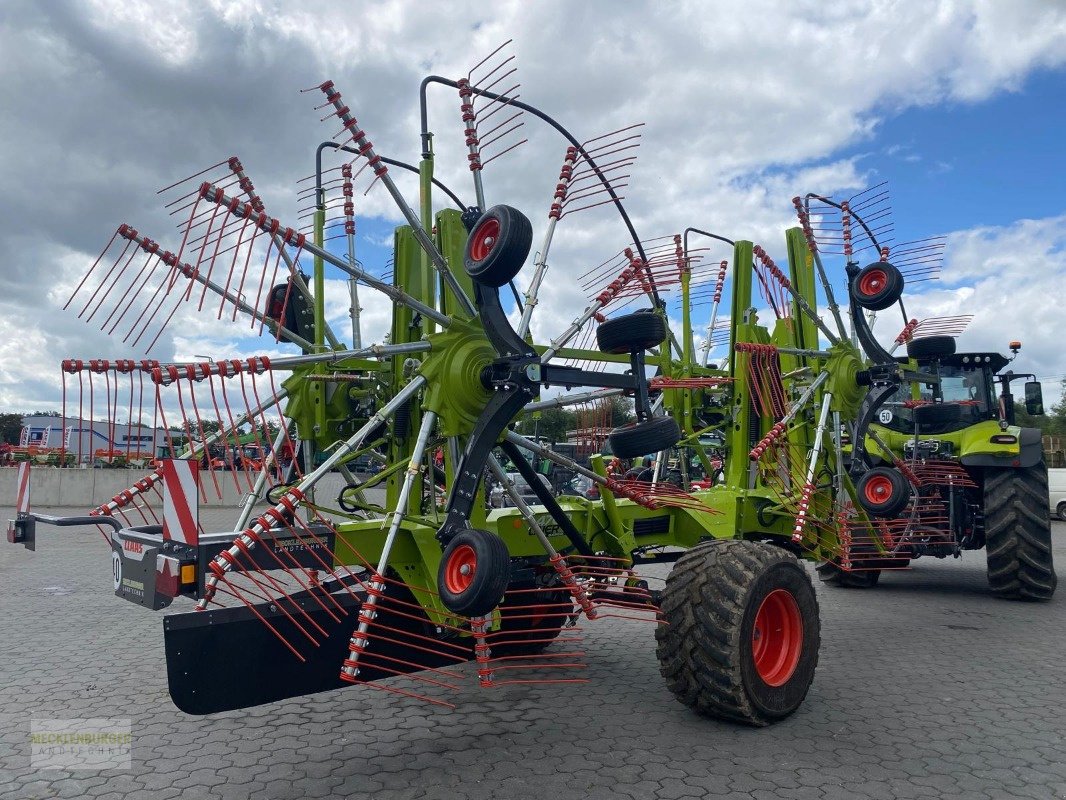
(1018, 533)
(742, 631)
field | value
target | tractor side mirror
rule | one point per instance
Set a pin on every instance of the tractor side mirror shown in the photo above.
(1034, 398)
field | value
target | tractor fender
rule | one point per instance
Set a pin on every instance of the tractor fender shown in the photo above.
(1030, 452)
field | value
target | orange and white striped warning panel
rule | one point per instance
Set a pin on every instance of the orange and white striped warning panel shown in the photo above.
(22, 501)
(181, 500)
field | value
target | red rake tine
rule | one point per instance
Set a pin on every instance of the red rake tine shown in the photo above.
(104, 280)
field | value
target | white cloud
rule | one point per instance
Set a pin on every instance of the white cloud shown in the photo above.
(746, 105)
(1012, 279)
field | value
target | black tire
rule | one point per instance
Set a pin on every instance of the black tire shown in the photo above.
(642, 438)
(832, 575)
(936, 414)
(530, 622)
(877, 286)
(631, 332)
(883, 492)
(480, 590)
(707, 649)
(498, 246)
(1060, 511)
(1018, 533)
(931, 347)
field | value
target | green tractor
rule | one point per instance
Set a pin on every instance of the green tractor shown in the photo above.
(952, 471)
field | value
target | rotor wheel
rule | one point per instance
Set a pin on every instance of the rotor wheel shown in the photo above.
(530, 621)
(877, 286)
(883, 492)
(474, 572)
(831, 574)
(498, 246)
(642, 438)
(629, 333)
(931, 347)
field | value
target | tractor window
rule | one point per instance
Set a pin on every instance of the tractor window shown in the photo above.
(970, 387)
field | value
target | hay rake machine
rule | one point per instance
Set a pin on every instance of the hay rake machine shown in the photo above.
(313, 592)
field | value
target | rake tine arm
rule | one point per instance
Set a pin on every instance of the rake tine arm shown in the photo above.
(541, 261)
(192, 450)
(366, 614)
(189, 272)
(297, 279)
(249, 537)
(805, 222)
(269, 224)
(366, 149)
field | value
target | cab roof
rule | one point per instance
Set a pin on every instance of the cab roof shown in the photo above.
(994, 361)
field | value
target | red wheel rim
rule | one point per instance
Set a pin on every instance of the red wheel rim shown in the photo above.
(777, 640)
(873, 281)
(484, 238)
(878, 490)
(460, 569)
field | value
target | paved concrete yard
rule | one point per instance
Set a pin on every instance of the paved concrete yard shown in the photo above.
(927, 687)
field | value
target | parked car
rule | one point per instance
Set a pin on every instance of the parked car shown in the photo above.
(498, 498)
(1056, 484)
(580, 486)
(366, 465)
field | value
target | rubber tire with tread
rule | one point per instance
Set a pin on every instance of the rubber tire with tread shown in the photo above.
(642, 438)
(705, 648)
(832, 575)
(540, 631)
(883, 297)
(1060, 511)
(491, 575)
(897, 501)
(641, 330)
(1018, 533)
(508, 252)
(931, 347)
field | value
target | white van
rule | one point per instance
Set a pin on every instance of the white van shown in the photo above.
(1056, 482)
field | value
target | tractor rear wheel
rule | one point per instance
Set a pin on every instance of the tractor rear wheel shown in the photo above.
(1018, 533)
(742, 633)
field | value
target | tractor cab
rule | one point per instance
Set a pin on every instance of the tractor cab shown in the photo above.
(966, 391)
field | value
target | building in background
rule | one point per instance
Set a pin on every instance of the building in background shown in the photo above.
(89, 441)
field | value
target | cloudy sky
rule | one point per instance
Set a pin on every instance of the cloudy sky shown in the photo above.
(958, 105)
